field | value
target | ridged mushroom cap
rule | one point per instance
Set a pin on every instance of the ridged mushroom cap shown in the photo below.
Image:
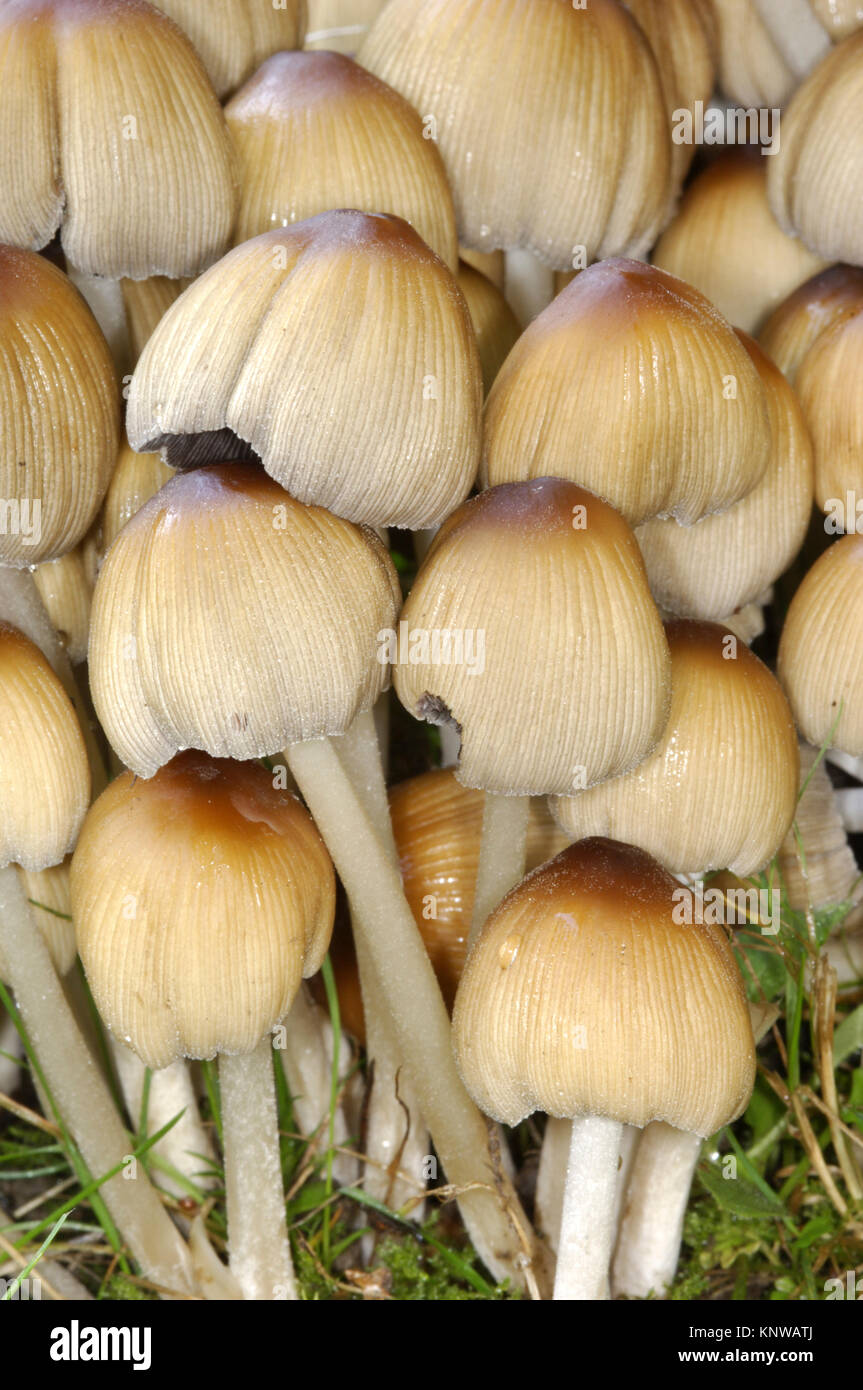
(724, 562)
(66, 589)
(44, 773)
(234, 36)
(229, 617)
(48, 892)
(766, 48)
(721, 787)
(201, 899)
(829, 382)
(682, 38)
(567, 101)
(821, 649)
(136, 478)
(726, 242)
(815, 181)
(800, 320)
(495, 325)
(550, 651)
(631, 384)
(350, 311)
(113, 136)
(585, 996)
(59, 411)
(315, 131)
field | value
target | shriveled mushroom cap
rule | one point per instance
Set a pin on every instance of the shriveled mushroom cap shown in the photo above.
(821, 649)
(585, 996)
(534, 630)
(720, 789)
(800, 320)
(437, 825)
(113, 136)
(724, 562)
(631, 384)
(66, 589)
(59, 411)
(565, 101)
(315, 131)
(682, 37)
(234, 36)
(44, 773)
(201, 898)
(495, 325)
(815, 180)
(227, 616)
(726, 242)
(341, 351)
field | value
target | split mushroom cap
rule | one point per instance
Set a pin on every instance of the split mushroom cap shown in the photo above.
(585, 996)
(815, 181)
(721, 788)
(437, 825)
(114, 136)
(821, 649)
(44, 773)
(315, 131)
(348, 311)
(682, 37)
(495, 325)
(829, 383)
(228, 616)
(59, 411)
(766, 48)
(530, 625)
(201, 899)
(48, 893)
(800, 320)
(66, 589)
(567, 101)
(724, 562)
(726, 242)
(136, 478)
(234, 36)
(631, 384)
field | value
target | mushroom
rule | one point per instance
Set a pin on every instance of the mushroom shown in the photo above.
(524, 86)
(42, 805)
(799, 321)
(234, 36)
(722, 563)
(633, 385)
(726, 242)
(584, 997)
(397, 443)
(494, 323)
(764, 52)
(821, 652)
(292, 662)
(136, 478)
(340, 24)
(201, 898)
(66, 590)
(530, 626)
(315, 131)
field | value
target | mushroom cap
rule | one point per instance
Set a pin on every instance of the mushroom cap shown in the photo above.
(815, 180)
(726, 242)
(550, 651)
(755, 65)
(818, 869)
(821, 649)
(724, 562)
(48, 893)
(228, 616)
(631, 384)
(799, 321)
(136, 478)
(585, 995)
(567, 101)
(44, 773)
(721, 787)
(829, 383)
(839, 17)
(201, 898)
(66, 589)
(234, 36)
(495, 325)
(341, 351)
(59, 411)
(340, 24)
(315, 131)
(119, 139)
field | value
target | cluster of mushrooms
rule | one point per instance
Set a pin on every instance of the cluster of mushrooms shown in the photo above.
(276, 277)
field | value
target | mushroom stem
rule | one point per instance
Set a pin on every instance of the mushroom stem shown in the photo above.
(551, 1177)
(850, 801)
(652, 1227)
(588, 1222)
(186, 1147)
(258, 1245)
(528, 285)
(81, 1096)
(10, 1044)
(488, 1202)
(502, 855)
(21, 605)
(105, 300)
